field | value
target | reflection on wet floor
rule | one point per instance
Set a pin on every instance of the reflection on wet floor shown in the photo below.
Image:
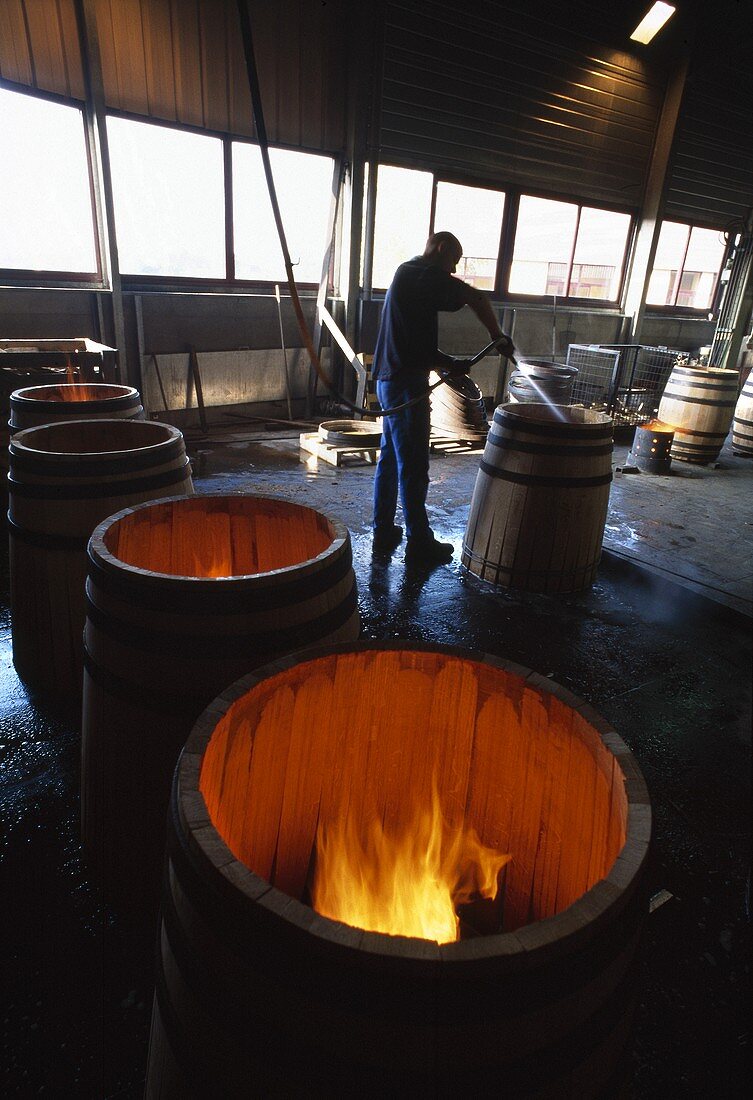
(667, 667)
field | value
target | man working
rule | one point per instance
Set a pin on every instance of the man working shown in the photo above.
(406, 351)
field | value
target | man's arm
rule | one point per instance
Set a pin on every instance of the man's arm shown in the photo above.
(481, 306)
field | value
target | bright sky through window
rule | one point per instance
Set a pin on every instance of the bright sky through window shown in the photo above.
(46, 222)
(303, 182)
(403, 211)
(168, 188)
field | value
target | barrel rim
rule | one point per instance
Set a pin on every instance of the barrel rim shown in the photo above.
(563, 932)
(529, 411)
(19, 445)
(25, 394)
(110, 563)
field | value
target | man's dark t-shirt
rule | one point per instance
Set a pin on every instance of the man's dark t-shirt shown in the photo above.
(406, 347)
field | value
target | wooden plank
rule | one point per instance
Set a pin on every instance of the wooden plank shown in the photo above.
(15, 56)
(552, 835)
(49, 61)
(159, 61)
(309, 757)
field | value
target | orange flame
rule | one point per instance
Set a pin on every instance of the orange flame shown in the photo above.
(214, 567)
(407, 884)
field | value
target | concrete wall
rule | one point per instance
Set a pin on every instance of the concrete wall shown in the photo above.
(237, 337)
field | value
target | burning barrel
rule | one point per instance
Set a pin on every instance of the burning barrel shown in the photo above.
(652, 447)
(35, 405)
(183, 597)
(64, 479)
(742, 425)
(540, 501)
(326, 804)
(699, 403)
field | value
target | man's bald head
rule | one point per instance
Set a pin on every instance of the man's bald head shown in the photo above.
(444, 250)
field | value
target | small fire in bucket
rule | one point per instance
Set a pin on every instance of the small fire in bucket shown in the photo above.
(74, 389)
(406, 882)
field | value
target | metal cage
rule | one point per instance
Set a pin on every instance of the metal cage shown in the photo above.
(625, 380)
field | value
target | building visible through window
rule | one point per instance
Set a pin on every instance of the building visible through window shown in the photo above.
(474, 215)
(567, 250)
(686, 266)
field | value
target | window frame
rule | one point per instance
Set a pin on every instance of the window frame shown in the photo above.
(483, 185)
(230, 281)
(512, 195)
(53, 277)
(663, 310)
(571, 300)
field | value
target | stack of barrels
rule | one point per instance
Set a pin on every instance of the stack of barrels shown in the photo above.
(77, 453)
(537, 380)
(458, 410)
(135, 603)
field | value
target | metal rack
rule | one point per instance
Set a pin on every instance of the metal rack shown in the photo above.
(625, 380)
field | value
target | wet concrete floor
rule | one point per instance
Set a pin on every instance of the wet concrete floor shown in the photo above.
(667, 666)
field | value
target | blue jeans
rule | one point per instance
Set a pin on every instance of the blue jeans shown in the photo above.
(404, 459)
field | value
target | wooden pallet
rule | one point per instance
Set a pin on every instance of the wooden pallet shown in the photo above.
(452, 444)
(337, 454)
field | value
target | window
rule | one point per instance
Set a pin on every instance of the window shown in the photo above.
(474, 215)
(169, 195)
(567, 250)
(303, 182)
(45, 197)
(686, 266)
(403, 213)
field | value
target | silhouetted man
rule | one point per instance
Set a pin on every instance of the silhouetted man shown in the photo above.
(406, 351)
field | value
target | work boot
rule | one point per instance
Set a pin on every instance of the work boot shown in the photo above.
(428, 551)
(386, 539)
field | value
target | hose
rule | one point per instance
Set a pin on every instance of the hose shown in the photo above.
(261, 135)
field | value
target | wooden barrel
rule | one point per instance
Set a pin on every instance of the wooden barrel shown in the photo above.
(64, 479)
(35, 405)
(699, 403)
(183, 597)
(258, 994)
(540, 500)
(742, 424)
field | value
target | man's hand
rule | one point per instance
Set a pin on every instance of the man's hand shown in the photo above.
(458, 368)
(505, 345)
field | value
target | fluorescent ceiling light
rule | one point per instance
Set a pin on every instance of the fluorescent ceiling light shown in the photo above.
(652, 22)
